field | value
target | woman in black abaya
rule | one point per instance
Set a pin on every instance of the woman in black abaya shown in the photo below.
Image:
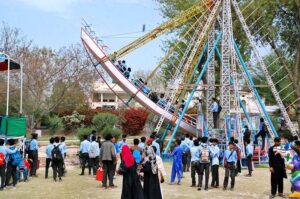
(151, 180)
(132, 187)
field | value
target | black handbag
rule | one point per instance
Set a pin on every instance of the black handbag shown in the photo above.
(122, 168)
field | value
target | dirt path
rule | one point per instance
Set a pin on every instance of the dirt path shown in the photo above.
(85, 187)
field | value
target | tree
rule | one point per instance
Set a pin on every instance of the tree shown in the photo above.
(73, 121)
(53, 79)
(102, 120)
(55, 123)
(134, 120)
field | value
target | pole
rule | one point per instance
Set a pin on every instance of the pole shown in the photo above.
(254, 89)
(21, 91)
(192, 93)
(8, 78)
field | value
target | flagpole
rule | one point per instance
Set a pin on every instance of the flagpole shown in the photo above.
(8, 80)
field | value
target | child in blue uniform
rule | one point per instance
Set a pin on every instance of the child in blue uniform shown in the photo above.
(177, 163)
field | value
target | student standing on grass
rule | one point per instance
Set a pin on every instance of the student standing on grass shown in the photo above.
(4, 155)
(33, 152)
(122, 142)
(214, 154)
(142, 143)
(57, 159)
(155, 143)
(238, 150)
(204, 163)
(48, 156)
(185, 150)
(249, 155)
(114, 141)
(12, 162)
(63, 148)
(195, 166)
(136, 151)
(107, 160)
(229, 162)
(84, 151)
(94, 153)
(177, 163)
(277, 169)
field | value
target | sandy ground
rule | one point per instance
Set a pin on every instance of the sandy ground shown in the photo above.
(74, 186)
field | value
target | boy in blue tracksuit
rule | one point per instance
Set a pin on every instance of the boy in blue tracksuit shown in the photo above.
(177, 163)
(229, 162)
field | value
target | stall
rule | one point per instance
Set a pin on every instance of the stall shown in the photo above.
(12, 127)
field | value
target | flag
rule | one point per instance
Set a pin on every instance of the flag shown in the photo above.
(2, 57)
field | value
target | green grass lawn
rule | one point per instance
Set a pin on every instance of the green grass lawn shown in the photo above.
(74, 186)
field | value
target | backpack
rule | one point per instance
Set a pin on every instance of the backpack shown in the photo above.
(265, 129)
(27, 146)
(2, 159)
(16, 158)
(219, 108)
(204, 155)
(137, 156)
(56, 153)
(93, 151)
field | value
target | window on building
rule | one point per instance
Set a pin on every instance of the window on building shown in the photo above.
(105, 100)
(111, 100)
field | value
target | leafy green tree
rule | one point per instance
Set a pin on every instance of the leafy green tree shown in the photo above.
(110, 130)
(83, 131)
(102, 120)
(55, 123)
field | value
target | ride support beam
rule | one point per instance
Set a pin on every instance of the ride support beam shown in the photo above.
(192, 93)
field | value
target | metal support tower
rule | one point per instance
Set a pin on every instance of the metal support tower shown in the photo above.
(210, 76)
(199, 78)
(196, 43)
(180, 72)
(234, 80)
(264, 68)
(225, 65)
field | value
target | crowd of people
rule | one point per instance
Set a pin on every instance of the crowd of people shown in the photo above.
(200, 155)
(140, 162)
(121, 65)
(17, 162)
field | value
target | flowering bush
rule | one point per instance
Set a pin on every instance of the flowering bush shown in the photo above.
(134, 120)
(73, 121)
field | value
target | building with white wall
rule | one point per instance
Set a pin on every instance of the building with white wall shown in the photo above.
(104, 97)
